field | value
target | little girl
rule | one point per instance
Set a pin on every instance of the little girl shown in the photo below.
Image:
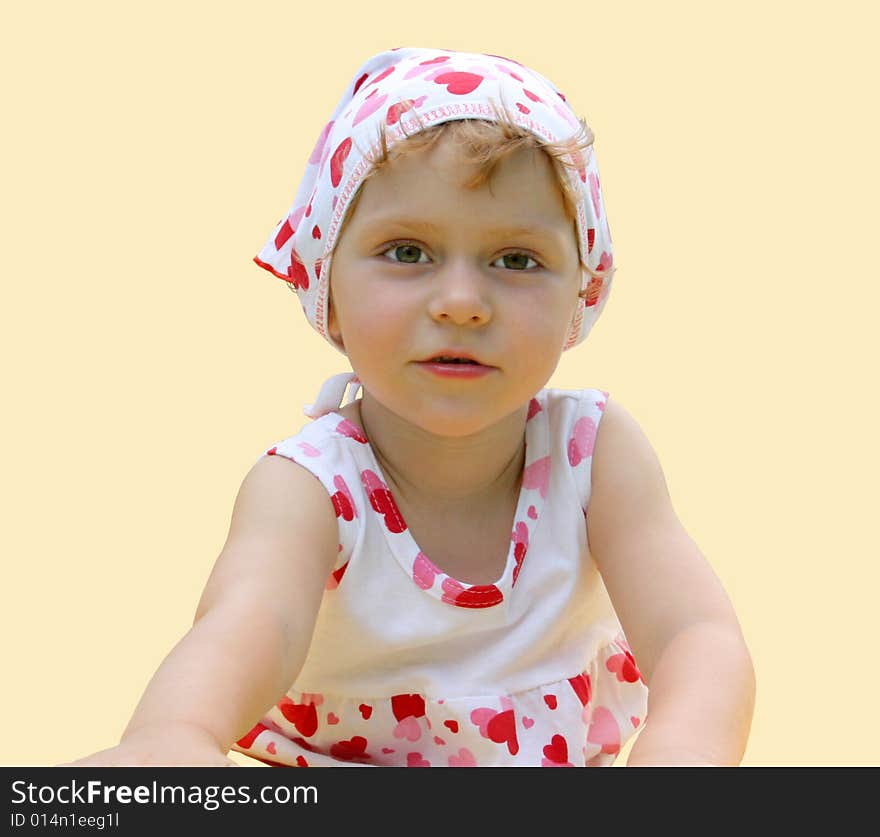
(461, 567)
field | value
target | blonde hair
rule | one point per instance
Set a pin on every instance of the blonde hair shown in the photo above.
(487, 143)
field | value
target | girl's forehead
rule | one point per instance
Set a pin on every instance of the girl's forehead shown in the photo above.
(522, 186)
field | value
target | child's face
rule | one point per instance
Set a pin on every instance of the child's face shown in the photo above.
(402, 292)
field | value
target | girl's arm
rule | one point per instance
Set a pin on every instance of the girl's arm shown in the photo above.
(678, 620)
(252, 627)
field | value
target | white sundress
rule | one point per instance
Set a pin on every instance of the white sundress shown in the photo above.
(409, 667)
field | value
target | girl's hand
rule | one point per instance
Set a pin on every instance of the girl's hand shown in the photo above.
(166, 745)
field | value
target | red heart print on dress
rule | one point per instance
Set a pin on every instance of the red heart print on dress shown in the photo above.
(523, 108)
(465, 758)
(424, 572)
(407, 710)
(624, 666)
(304, 716)
(337, 161)
(270, 748)
(528, 723)
(332, 718)
(354, 748)
(247, 741)
(476, 596)
(366, 710)
(350, 429)
(604, 731)
(308, 450)
(521, 546)
(550, 700)
(382, 502)
(343, 502)
(582, 687)
(583, 437)
(537, 475)
(534, 408)
(459, 83)
(452, 726)
(406, 706)
(336, 577)
(499, 727)
(416, 760)
(342, 506)
(409, 728)
(502, 730)
(591, 238)
(556, 753)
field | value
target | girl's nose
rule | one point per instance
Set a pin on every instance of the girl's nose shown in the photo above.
(459, 294)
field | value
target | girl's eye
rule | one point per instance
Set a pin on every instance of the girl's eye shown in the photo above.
(405, 253)
(410, 254)
(517, 261)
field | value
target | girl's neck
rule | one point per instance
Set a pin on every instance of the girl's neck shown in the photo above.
(455, 474)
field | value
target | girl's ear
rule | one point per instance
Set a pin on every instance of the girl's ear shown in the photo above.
(332, 322)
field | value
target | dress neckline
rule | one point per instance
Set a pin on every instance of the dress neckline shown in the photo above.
(412, 559)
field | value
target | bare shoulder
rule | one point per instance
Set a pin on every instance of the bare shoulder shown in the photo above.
(625, 464)
(283, 531)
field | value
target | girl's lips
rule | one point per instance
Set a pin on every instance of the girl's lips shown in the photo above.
(455, 370)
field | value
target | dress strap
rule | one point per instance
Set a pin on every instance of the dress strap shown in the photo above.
(331, 394)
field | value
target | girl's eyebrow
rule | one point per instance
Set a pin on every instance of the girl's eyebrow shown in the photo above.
(534, 229)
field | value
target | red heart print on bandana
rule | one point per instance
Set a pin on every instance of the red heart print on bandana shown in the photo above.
(297, 272)
(593, 292)
(397, 110)
(337, 161)
(459, 83)
(371, 105)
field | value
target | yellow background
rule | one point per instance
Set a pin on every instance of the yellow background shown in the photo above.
(148, 151)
